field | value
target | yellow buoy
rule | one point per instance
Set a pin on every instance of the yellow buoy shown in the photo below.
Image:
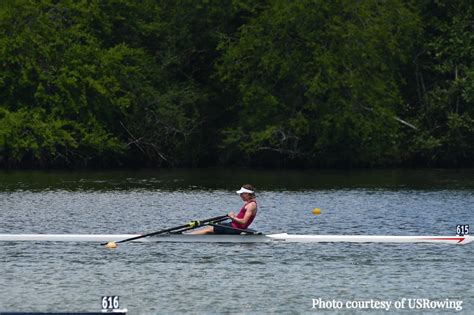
(111, 245)
(316, 211)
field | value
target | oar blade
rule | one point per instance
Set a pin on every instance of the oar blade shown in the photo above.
(111, 245)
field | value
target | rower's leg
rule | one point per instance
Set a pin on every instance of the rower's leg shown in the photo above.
(206, 230)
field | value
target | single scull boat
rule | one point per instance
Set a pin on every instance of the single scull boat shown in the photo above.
(175, 234)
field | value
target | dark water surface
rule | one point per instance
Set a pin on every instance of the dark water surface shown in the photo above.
(153, 278)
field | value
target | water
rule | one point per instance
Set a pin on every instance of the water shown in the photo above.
(235, 278)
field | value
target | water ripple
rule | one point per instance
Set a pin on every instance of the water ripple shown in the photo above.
(217, 278)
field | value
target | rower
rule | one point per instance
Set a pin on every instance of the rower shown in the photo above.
(242, 220)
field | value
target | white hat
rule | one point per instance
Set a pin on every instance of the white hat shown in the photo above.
(244, 190)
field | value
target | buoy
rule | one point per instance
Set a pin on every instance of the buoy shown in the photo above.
(316, 211)
(111, 245)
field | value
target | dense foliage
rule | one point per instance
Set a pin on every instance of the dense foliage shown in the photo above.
(309, 83)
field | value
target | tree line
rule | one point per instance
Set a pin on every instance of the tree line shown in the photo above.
(308, 83)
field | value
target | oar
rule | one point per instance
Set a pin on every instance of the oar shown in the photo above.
(190, 225)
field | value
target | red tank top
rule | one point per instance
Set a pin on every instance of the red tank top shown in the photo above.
(241, 214)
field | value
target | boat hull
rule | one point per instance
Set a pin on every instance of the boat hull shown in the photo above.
(258, 238)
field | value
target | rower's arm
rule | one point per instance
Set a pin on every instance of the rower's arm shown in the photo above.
(251, 209)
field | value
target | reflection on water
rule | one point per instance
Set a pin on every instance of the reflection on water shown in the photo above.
(231, 178)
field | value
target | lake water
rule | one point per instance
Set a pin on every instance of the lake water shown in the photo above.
(154, 278)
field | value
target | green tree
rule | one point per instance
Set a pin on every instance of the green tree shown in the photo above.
(123, 81)
(318, 82)
(60, 77)
(445, 81)
(181, 125)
